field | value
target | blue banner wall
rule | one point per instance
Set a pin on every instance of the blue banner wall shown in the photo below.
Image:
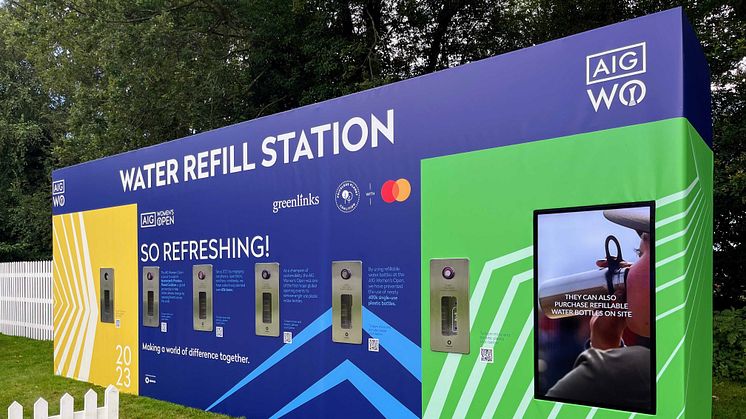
(340, 181)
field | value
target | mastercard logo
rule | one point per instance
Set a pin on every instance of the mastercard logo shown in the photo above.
(396, 190)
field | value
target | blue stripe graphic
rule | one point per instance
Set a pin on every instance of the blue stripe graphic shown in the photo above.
(381, 399)
(317, 326)
(401, 348)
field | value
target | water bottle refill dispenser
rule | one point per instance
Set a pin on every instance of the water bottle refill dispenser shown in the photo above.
(449, 305)
(347, 298)
(106, 278)
(267, 299)
(150, 296)
(202, 297)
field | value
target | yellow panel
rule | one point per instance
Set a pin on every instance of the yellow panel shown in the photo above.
(85, 348)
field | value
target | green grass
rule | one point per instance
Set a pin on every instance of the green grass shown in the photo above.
(729, 400)
(26, 374)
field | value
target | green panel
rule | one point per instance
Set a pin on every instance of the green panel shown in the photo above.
(480, 205)
(698, 355)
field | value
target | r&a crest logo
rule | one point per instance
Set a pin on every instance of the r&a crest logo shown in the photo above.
(605, 67)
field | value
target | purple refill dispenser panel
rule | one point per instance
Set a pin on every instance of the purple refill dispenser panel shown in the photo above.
(372, 255)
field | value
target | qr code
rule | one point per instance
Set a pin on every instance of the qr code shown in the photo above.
(486, 355)
(219, 331)
(373, 344)
(164, 327)
(287, 337)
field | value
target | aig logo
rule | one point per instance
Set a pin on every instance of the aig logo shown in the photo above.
(147, 219)
(605, 71)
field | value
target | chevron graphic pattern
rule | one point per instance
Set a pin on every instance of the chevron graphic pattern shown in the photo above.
(382, 400)
(406, 352)
(76, 305)
(463, 387)
(84, 348)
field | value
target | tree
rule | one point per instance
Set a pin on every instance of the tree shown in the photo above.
(25, 146)
(85, 79)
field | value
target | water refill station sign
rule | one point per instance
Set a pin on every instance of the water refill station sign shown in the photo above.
(528, 235)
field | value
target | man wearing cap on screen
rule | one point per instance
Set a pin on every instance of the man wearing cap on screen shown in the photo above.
(609, 372)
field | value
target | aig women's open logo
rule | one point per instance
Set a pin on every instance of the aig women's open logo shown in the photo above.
(157, 218)
(615, 66)
(58, 193)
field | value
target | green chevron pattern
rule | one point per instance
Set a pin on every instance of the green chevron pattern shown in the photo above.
(480, 205)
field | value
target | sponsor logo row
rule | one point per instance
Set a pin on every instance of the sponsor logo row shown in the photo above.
(347, 197)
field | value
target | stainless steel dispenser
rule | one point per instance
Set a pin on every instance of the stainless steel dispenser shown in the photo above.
(202, 297)
(347, 300)
(150, 296)
(449, 305)
(267, 298)
(106, 280)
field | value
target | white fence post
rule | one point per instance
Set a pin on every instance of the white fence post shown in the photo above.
(66, 407)
(41, 409)
(15, 411)
(111, 403)
(110, 409)
(26, 299)
(90, 404)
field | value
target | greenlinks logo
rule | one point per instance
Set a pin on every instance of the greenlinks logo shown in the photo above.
(347, 196)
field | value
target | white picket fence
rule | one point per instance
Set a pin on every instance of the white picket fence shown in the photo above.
(26, 299)
(110, 409)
